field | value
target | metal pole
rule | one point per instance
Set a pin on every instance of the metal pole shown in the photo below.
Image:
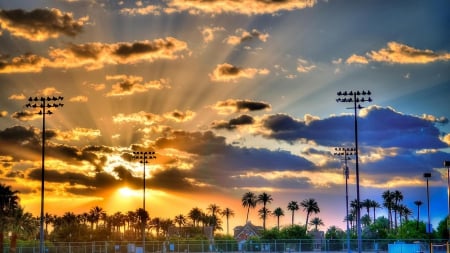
(358, 211)
(356, 97)
(447, 164)
(144, 218)
(346, 206)
(41, 224)
(34, 103)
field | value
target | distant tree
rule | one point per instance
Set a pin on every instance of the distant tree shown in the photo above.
(374, 204)
(180, 220)
(214, 210)
(366, 204)
(265, 199)
(278, 212)
(309, 206)
(442, 231)
(316, 221)
(398, 197)
(95, 214)
(263, 213)
(365, 220)
(195, 215)
(418, 203)
(227, 212)
(334, 232)
(293, 206)
(249, 200)
(22, 225)
(388, 202)
(9, 201)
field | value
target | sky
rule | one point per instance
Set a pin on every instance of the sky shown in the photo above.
(233, 96)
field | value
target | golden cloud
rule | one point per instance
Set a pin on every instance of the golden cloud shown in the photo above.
(244, 35)
(95, 55)
(40, 24)
(249, 7)
(229, 73)
(128, 85)
(397, 53)
(179, 116)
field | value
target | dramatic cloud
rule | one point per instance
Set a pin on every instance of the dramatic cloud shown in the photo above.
(40, 24)
(250, 7)
(232, 106)
(179, 116)
(231, 124)
(141, 117)
(128, 85)
(229, 73)
(378, 126)
(95, 55)
(397, 53)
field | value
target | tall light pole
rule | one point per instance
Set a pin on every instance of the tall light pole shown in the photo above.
(45, 105)
(356, 98)
(143, 158)
(427, 176)
(447, 165)
(344, 153)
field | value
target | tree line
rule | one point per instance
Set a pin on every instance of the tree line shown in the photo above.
(97, 225)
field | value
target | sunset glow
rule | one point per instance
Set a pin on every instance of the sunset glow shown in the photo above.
(232, 96)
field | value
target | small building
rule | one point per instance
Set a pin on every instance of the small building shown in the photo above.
(242, 233)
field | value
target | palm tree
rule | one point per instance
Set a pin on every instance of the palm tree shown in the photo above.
(95, 214)
(263, 213)
(398, 197)
(141, 222)
(309, 206)
(249, 201)
(227, 212)
(418, 203)
(9, 201)
(195, 215)
(22, 223)
(214, 211)
(316, 221)
(374, 205)
(180, 220)
(278, 212)
(367, 204)
(264, 198)
(293, 206)
(388, 198)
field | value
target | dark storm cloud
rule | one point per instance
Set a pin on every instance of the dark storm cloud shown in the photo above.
(20, 141)
(382, 127)
(172, 179)
(195, 143)
(243, 105)
(221, 165)
(407, 163)
(236, 105)
(232, 123)
(40, 24)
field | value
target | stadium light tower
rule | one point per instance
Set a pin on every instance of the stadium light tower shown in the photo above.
(356, 98)
(447, 165)
(344, 153)
(45, 105)
(427, 175)
(143, 158)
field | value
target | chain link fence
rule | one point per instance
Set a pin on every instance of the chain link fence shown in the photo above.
(265, 246)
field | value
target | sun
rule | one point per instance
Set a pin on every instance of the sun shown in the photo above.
(127, 192)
